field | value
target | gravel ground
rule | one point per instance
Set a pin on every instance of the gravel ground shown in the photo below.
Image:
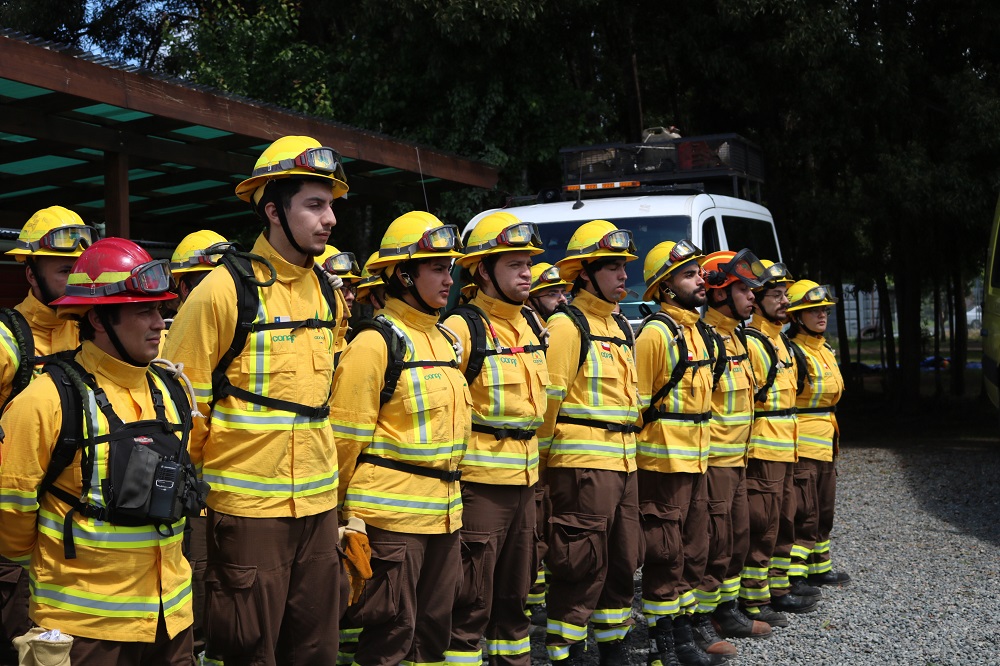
(917, 530)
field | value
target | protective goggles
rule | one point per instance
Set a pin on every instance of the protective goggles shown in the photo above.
(682, 252)
(439, 239)
(522, 234)
(341, 263)
(321, 160)
(775, 272)
(619, 240)
(817, 295)
(745, 266)
(549, 276)
(210, 256)
(152, 279)
(62, 239)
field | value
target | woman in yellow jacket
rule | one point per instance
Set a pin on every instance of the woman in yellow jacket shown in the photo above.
(819, 391)
(399, 448)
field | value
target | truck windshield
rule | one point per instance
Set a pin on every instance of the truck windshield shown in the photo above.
(647, 231)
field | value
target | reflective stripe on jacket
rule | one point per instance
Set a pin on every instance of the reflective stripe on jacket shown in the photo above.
(605, 388)
(772, 437)
(823, 387)
(732, 400)
(509, 393)
(425, 423)
(121, 576)
(670, 444)
(262, 462)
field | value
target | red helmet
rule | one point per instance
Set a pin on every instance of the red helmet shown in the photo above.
(115, 270)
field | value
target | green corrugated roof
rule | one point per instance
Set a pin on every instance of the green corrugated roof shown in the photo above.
(190, 187)
(99, 203)
(15, 138)
(36, 164)
(17, 90)
(177, 209)
(112, 112)
(202, 132)
(33, 190)
(384, 171)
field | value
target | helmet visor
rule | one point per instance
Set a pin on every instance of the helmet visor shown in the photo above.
(745, 266)
(63, 239)
(818, 295)
(341, 263)
(775, 271)
(522, 234)
(682, 251)
(440, 239)
(210, 256)
(549, 276)
(150, 279)
(619, 240)
(324, 160)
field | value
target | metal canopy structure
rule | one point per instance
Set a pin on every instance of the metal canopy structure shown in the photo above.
(155, 158)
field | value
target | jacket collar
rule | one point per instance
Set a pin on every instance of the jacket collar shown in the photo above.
(682, 316)
(408, 315)
(286, 272)
(496, 308)
(722, 323)
(39, 315)
(809, 340)
(592, 305)
(766, 327)
(100, 363)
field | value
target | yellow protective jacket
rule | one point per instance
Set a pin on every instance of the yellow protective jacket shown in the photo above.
(509, 393)
(262, 462)
(672, 442)
(732, 400)
(818, 430)
(115, 587)
(425, 423)
(772, 437)
(50, 334)
(603, 389)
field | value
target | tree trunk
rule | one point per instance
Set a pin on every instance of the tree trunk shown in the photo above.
(938, 382)
(960, 355)
(885, 314)
(843, 342)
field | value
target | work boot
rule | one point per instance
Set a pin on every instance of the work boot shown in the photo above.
(803, 589)
(537, 614)
(707, 639)
(731, 623)
(661, 644)
(613, 653)
(793, 603)
(832, 578)
(575, 657)
(689, 653)
(767, 615)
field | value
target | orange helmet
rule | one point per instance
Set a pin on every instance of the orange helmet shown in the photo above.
(725, 267)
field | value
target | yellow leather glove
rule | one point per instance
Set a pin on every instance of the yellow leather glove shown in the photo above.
(358, 555)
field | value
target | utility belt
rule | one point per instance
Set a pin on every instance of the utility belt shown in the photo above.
(791, 411)
(504, 433)
(832, 409)
(594, 423)
(678, 416)
(400, 466)
(225, 388)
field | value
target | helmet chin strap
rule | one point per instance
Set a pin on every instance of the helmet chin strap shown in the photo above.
(798, 320)
(593, 281)
(43, 285)
(411, 287)
(491, 272)
(287, 229)
(102, 314)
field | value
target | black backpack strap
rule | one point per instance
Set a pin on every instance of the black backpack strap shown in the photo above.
(713, 340)
(473, 317)
(652, 413)
(772, 370)
(329, 294)
(582, 325)
(801, 367)
(181, 402)
(247, 304)
(396, 346)
(537, 327)
(25, 339)
(627, 333)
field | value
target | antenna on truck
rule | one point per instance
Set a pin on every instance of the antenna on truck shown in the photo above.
(579, 201)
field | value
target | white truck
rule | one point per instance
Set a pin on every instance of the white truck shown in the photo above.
(699, 188)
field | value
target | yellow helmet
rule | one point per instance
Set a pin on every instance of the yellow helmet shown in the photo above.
(500, 232)
(367, 279)
(292, 156)
(545, 276)
(195, 252)
(663, 259)
(594, 240)
(774, 273)
(53, 232)
(416, 235)
(806, 294)
(469, 290)
(339, 263)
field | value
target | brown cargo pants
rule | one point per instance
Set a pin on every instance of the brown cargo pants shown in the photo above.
(812, 533)
(765, 480)
(729, 535)
(536, 595)
(675, 527)
(14, 597)
(498, 562)
(595, 547)
(165, 651)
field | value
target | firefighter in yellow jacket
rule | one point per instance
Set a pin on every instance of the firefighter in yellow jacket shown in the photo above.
(820, 386)
(765, 589)
(256, 338)
(343, 275)
(675, 356)
(401, 418)
(106, 569)
(371, 288)
(730, 278)
(500, 467)
(587, 450)
(47, 245)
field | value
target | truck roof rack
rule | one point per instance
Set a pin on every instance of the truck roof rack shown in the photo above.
(716, 163)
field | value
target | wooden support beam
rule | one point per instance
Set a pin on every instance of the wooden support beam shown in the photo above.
(116, 195)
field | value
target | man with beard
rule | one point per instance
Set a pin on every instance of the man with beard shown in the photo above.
(48, 244)
(675, 356)
(765, 590)
(731, 278)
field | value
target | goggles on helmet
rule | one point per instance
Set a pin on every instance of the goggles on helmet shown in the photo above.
(775, 271)
(210, 256)
(340, 263)
(619, 240)
(817, 295)
(439, 239)
(548, 276)
(320, 160)
(152, 278)
(62, 239)
(745, 266)
(516, 235)
(682, 252)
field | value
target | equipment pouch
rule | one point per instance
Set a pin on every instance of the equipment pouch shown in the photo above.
(132, 497)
